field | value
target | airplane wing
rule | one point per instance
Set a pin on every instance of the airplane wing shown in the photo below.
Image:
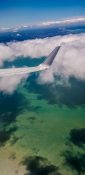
(25, 70)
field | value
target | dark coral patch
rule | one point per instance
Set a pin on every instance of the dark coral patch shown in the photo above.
(77, 136)
(40, 166)
(75, 161)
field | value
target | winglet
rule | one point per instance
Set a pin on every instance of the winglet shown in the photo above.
(51, 56)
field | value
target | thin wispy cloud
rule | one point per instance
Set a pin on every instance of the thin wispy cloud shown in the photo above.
(66, 21)
(77, 20)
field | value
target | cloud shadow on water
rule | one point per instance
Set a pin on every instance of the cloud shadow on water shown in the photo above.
(5, 135)
(71, 96)
(10, 107)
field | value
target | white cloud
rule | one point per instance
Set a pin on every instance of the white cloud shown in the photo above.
(34, 48)
(69, 62)
(6, 53)
(9, 84)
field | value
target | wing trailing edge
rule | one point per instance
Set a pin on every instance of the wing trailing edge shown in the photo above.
(26, 70)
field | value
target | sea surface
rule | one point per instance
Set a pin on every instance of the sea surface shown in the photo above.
(42, 127)
(33, 33)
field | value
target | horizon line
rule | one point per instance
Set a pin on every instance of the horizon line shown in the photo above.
(47, 23)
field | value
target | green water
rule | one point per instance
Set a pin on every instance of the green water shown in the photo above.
(37, 127)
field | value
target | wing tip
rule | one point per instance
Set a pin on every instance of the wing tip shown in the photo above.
(51, 56)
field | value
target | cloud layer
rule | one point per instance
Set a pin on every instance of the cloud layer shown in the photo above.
(46, 23)
(66, 21)
(34, 48)
(70, 60)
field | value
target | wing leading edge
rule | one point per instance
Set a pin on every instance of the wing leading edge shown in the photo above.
(25, 70)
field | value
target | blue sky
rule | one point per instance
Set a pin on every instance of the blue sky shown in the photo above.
(23, 12)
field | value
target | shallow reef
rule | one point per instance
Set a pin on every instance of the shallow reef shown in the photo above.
(38, 165)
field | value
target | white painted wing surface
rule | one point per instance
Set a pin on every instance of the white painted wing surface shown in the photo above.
(25, 70)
